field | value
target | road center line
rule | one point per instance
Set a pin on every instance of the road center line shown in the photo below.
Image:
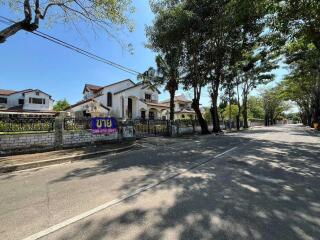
(106, 205)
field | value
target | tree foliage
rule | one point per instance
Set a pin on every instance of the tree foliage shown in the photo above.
(297, 25)
(61, 105)
(274, 105)
(102, 14)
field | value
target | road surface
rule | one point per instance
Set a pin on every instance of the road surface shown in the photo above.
(259, 184)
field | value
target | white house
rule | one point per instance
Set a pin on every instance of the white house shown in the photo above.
(124, 100)
(25, 101)
(182, 107)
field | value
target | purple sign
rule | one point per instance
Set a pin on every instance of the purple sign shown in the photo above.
(101, 125)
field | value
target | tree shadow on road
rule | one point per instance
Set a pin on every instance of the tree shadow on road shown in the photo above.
(269, 191)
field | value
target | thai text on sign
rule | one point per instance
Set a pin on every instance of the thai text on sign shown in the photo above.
(103, 125)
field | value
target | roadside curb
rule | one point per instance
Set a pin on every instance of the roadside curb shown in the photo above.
(71, 158)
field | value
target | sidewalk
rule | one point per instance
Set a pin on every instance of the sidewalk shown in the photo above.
(27, 161)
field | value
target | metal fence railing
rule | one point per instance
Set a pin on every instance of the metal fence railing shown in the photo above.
(26, 124)
(144, 127)
(77, 123)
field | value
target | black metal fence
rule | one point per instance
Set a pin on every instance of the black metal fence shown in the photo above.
(77, 123)
(145, 128)
(26, 124)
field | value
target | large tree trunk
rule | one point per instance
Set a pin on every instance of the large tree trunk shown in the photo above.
(316, 111)
(14, 28)
(266, 119)
(303, 117)
(24, 24)
(202, 121)
(172, 94)
(214, 112)
(271, 119)
(309, 119)
(238, 115)
(245, 112)
(239, 109)
(238, 121)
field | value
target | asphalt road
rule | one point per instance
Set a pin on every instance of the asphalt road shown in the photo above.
(259, 184)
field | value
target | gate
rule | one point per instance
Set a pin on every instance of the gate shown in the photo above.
(149, 128)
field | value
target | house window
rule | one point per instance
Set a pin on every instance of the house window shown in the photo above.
(147, 96)
(3, 100)
(21, 101)
(37, 93)
(37, 100)
(143, 115)
(182, 116)
(109, 99)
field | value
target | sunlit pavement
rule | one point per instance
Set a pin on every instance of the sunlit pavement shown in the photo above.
(259, 184)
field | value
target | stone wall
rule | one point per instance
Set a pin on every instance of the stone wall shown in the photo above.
(59, 138)
(15, 143)
(78, 138)
(185, 130)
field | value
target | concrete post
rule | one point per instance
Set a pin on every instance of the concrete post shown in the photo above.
(59, 130)
(128, 132)
(174, 129)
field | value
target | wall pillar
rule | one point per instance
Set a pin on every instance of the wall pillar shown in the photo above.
(59, 130)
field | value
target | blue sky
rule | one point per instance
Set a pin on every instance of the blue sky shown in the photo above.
(27, 61)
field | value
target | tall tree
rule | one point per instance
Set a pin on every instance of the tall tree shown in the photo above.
(61, 105)
(257, 70)
(99, 14)
(164, 37)
(296, 18)
(235, 28)
(297, 23)
(167, 74)
(273, 105)
(302, 85)
(177, 26)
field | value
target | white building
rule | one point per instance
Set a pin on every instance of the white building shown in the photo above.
(182, 107)
(25, 101)
(124, 100)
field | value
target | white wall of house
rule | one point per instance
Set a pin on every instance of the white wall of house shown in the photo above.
(179, 105)
(137, 94)
(112, 88)
(47, 102)
(2, 104)
(92, 107)
(121, 92)
(88, 94)
(22, 99)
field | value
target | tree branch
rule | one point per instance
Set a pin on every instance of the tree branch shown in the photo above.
(48, 6)
(11, 30)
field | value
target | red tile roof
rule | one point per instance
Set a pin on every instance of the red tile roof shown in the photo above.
(6, 92)
(186, 111)
(157, 104)
(93, 87)
(96, 88)
(180, 98)
(10, 92)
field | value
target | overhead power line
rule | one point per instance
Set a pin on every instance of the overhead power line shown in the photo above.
(76, 49)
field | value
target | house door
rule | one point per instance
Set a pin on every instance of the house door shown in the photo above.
(143, 115)
(129, 108)
(151, 115)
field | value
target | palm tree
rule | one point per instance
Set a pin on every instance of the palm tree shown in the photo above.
(167, 74)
